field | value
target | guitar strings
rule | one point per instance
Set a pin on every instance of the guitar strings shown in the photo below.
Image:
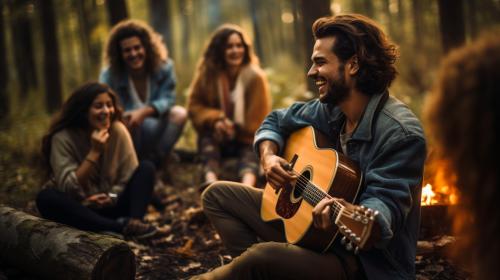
(317, 193)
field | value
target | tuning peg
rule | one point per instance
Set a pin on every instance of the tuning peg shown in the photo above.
(343, 228)
(358, 240)
(362, 207)
(356, 250)
(348, 231)
(357, 218)
(348, 246)
(352, 236)
(343, 240)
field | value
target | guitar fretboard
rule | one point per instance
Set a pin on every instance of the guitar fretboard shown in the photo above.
(313, 195)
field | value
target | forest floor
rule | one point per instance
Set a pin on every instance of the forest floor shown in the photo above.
(192, 246)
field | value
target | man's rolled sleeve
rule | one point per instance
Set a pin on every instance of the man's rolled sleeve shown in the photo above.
(268, 135)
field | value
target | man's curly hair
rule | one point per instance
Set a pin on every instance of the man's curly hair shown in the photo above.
(357, 35)
(156, 51)
(463, 118)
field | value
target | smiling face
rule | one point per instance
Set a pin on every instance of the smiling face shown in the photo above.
(101, 112)
(235, 51)
(133, 53)
(328, 72)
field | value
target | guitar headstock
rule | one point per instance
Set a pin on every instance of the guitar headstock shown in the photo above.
(356, 226)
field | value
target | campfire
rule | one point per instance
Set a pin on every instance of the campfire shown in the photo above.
(439, 189)
(439, 196)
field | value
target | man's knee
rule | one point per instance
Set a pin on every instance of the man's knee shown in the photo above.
(178, 115)
(210, 194)
(260, 255)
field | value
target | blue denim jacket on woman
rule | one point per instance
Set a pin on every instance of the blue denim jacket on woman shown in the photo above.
(161, 92)
(389, 146)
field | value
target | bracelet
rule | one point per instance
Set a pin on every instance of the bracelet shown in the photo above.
(91, 161)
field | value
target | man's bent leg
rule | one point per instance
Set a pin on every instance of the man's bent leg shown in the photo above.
(275, 260)
(234, 210)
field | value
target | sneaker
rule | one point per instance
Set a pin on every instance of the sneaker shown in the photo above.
(138, 229)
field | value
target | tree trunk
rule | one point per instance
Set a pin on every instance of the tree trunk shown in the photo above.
(417, 23)
(4, 98)
(51, 65)
(297, 31)
(451, 23)
(117, 11)
(88, 22)
(472, 18)
(368, 8)
(311, 10)
(22, 11)
(54, 251)
(255, 24)
(158, 11)
(184, 10)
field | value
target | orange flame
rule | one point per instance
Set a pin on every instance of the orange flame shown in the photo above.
(440, 189)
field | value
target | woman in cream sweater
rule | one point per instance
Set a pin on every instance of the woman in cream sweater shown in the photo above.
(95, 181)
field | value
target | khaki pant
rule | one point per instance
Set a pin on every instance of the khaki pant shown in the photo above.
(234, 210)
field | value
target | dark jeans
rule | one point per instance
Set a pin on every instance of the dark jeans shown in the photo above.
(132, 203)
(213, 152)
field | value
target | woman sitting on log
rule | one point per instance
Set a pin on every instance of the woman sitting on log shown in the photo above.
(90, 161)
(229, 99)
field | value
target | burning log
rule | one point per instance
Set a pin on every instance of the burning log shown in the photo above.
(54, 251)
(435, 221)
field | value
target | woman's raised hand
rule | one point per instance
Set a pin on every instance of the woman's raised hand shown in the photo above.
(98, 139)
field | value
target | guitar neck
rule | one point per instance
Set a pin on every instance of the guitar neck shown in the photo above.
(313, 195)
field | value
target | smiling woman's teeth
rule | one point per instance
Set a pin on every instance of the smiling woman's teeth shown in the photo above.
(102, 118)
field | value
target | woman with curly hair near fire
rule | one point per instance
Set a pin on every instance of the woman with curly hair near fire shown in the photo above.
(463, 117)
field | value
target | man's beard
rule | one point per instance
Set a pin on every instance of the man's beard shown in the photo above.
(337, 89)
(337, 92)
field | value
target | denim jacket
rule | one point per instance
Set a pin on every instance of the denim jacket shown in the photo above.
(161, 92)
(389, 146)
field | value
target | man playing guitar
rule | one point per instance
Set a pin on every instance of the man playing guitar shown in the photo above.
(353, 67)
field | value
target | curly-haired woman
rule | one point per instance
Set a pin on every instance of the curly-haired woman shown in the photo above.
(139, 70)
(229, 98)
(462, 114)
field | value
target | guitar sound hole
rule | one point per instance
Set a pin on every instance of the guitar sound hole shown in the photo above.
(301, 184)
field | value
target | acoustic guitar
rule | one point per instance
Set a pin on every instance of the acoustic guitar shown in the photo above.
(322, 172)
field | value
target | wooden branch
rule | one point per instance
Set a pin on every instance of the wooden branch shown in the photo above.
(55, 251)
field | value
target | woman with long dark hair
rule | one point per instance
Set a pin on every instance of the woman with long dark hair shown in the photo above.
(229, 98)
(90, 161)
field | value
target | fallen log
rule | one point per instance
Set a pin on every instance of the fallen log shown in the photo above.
(54, 251)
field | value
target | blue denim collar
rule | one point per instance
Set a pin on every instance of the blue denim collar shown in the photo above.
(363, 131)
(156, 78)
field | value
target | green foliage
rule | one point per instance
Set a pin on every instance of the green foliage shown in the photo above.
(20, 174)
